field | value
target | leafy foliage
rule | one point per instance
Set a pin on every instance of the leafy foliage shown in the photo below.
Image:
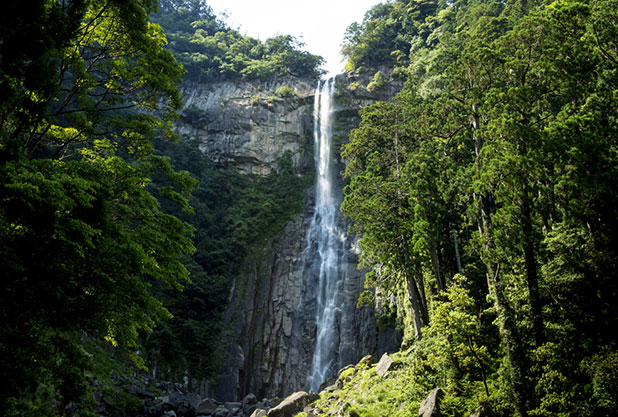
(83, 234)
(209, 50)
(504, 141)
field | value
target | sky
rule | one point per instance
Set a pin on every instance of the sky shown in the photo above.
(320, 24)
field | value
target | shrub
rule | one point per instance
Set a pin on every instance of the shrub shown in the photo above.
(285, 91)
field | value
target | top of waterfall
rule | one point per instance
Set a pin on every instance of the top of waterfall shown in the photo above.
(320, 24)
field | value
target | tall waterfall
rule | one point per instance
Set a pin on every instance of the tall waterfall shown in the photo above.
(326, 235)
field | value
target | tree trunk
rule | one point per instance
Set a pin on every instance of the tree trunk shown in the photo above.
(457, 252)
(507, 326)
(513, 343)
(419, 312)
(435, 263)
(531, 271)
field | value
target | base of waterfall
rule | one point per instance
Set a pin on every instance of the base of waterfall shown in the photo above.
(183, 404)
(394, 385)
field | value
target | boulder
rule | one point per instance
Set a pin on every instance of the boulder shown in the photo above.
(222, 411)
(384, 365)
(233, 406)
(156, 410)
(188, 405)
(249, 404)
(259, 413)
(430, 407)
(193, 400)
(250, 399)
(142, 393)
(366, 361)
(292, 404)
(326, 385)
(170, 413)
(174, 400)
(206, 407)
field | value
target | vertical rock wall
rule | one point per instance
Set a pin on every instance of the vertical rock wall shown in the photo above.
(268, 347)
(274, 313)
(247, 124)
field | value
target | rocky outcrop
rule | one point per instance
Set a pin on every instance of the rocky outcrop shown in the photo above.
(293, 404)
(430, 407)
(272, 309)
(248, 124)
(385, 364)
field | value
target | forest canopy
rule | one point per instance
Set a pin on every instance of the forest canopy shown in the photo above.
(86, 87)
(486, 200)
(209, 50)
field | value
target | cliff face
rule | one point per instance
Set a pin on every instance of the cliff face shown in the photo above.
(248, 124)
(271, 316)
(273, 312)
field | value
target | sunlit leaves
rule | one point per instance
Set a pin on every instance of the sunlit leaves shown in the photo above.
(211, 51)
(513, 147)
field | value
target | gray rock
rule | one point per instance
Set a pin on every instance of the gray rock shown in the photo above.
(170, 413)
(135, 390)
(271, 314)
(292, 404)
(174, 399)
(384, 365)
(193, 400)
(326, 385)
(430, 407)
(222, 411)
(249, 404)
(158, 409)
(250, 399)
(206, 407)
(245, 124)
(233, 405)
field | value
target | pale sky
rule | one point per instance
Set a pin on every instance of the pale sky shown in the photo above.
(320, 24)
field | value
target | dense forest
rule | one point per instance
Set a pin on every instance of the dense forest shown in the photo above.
(209, 50)
(486, 199)
(109, 229)
(484, 195)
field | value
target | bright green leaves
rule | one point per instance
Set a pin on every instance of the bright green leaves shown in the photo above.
(90, 220)
(506, 135)
(210, 51)
(388, 33)
(82, 235)
(112, 62)
(457, 343)
(82, 242)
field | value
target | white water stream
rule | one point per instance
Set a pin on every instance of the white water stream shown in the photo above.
(329, 239)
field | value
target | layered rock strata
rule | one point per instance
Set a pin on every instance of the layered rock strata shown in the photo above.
(248, 124)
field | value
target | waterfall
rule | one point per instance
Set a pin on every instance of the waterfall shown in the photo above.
(326, 237)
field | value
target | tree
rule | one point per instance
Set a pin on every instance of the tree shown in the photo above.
(83, 235)
(377, 200)
(510, 130)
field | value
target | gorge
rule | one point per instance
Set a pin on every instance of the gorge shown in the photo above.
(194, 222)
(276, 310)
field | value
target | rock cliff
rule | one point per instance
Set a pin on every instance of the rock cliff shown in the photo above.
(271, 316)
(249, 125)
